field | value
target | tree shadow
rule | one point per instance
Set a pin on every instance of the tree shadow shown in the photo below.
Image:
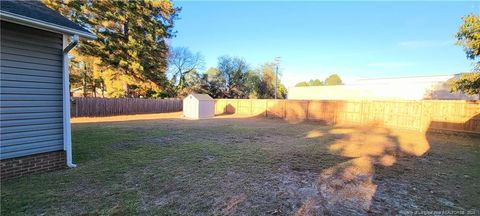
(352, 187)
(349, 185)
(347, 179)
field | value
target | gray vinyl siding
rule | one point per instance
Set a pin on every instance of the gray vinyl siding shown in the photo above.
(31, 105)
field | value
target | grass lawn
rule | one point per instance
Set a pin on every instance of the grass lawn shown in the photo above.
(225, 166)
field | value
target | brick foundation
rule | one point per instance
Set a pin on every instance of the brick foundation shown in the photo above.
(37, 163)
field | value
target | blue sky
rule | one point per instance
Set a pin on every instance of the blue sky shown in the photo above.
(315, 39)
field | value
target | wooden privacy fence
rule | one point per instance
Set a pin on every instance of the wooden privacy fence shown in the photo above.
(91, 107)
(454, 115)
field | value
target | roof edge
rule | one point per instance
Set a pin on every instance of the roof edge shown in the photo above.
(201, 97)
(23, 20)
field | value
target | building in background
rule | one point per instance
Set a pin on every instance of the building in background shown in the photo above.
(198, 106)
(400, 88)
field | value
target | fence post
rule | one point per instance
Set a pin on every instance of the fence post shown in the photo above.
(266, 107)
(76, 107)
(423, 117)
(308, 106)
(252, 107)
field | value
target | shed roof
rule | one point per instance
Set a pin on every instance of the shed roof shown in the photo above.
(202, 97)
(36, 14)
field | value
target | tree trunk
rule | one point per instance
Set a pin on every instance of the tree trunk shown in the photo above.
(126, 89)
(84, 85)
(102, 86)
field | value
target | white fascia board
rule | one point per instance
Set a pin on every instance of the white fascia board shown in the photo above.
(34, 23)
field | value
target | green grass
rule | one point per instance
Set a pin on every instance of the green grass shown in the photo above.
(200, 167)
(115, 164)
(98, 163)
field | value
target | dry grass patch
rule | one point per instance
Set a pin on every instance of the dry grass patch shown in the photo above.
(166, 165)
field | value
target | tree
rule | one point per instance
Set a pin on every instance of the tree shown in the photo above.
(86, 73)
(302, 84)
(266, 84)
(233, 71)
(282, 90)
(253, 84)
(315, 82)
(115, 83)
(194, 83)
(98, 83)
(213, 83)
(468, 36)
(468, 83)
(312, 82)
(333, 79)
(131, 35)
(181, 61)
(244, 83)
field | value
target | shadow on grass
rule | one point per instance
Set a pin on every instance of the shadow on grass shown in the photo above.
(350, 187)
(179, 166)
(347, 182)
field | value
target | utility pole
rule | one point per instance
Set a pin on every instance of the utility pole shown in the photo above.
(277, 62)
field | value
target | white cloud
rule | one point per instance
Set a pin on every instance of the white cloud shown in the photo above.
(414, 44)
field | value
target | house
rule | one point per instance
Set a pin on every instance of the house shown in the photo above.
(395, 88)
(198, 106)
(34, 88)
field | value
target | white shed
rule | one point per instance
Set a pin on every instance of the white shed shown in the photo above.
(198, 106)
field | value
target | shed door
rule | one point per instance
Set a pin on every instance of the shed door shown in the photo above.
(30, 91)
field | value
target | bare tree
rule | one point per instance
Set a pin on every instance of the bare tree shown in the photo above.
(181, 61)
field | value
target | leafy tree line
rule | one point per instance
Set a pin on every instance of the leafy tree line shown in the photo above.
(333, 79)
(131, 58)
(468, 36)
(232, 78)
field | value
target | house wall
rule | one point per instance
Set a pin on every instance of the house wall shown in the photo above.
(37, 163)
(30, 92)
